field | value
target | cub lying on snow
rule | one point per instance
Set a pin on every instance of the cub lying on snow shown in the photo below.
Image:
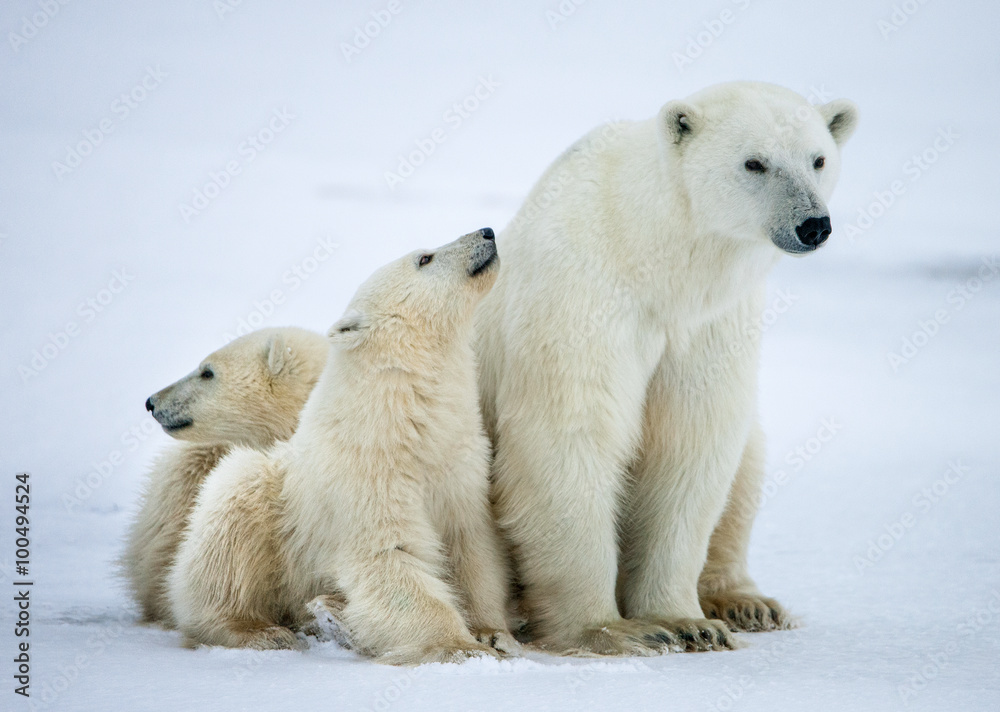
(250, 393)
(380, 498)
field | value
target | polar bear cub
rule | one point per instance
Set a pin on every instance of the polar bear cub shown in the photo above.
(379, 501)
(249, 392)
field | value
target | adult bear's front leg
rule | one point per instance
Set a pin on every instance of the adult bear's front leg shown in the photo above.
(563, 440)
(725, 588)
(693, 438)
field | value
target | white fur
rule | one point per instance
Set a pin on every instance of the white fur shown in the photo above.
(378, 506)
(619, 361)
(258, 386)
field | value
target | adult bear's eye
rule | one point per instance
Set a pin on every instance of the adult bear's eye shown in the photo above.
(207, 373)
(819, 162)
(754, 166)
(426, 260)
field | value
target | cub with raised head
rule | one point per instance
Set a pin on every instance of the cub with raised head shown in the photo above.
(379, 502)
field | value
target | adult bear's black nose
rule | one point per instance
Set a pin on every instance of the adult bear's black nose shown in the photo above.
(814, 231)
(149, 404)
(487, 233)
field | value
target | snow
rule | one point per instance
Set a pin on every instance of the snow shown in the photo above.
(911, 452)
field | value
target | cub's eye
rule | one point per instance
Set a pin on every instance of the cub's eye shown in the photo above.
(426, 260)
(207, 373)
(754, 166)
(819, 162)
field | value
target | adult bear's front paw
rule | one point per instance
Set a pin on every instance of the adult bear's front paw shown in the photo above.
(695, 635)
(622, 637)
(750, 612)
(457, 651)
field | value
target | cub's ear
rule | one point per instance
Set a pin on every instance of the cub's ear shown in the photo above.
(349, 328)
(679, 121)
(841, 118)
(277, 353)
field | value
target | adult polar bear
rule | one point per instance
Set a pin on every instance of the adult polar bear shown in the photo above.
(619, 359)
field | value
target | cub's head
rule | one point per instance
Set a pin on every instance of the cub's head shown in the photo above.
(249, 392)
(420, 305)
(757, 161)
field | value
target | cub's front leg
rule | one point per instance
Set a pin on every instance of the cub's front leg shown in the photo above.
(159, 528)
(479, 567)
(227, 586)
(399, 608)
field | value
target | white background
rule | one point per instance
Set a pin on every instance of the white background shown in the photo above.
(917, 629)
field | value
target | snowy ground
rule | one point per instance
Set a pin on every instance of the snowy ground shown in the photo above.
(884, 538)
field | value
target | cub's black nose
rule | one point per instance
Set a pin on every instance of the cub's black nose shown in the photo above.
(149, 404)
(814, 231)
(487, 233)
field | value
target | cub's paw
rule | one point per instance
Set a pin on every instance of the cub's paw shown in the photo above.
(622, 637)
(500, 640)
(747, 612)
(695, 635)
(326, 623)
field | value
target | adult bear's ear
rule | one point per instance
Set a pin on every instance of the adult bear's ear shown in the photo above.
(276, 354)
(841, 117)
(349, 328)
(679, 121)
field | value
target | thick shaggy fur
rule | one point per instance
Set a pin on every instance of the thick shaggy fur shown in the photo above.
(258, 386)
(618, 357)
(378, 506)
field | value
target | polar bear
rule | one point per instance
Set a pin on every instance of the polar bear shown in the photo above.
(250, 393)
(618, 365)
(379, 503)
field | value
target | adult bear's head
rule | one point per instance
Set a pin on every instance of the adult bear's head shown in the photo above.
(757, 161)
(411, 310)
